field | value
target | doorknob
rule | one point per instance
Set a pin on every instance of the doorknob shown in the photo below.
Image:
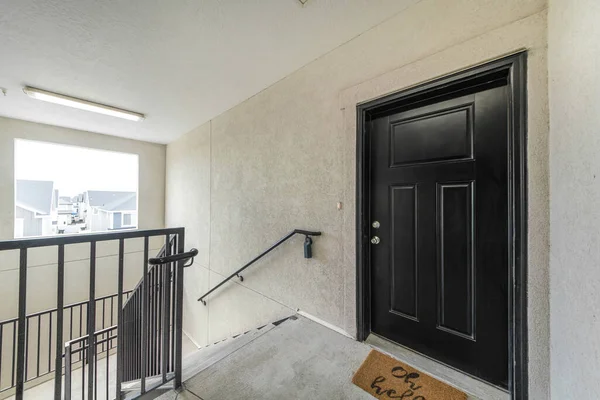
(375, 240)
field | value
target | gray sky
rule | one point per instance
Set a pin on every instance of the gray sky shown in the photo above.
(75, 169)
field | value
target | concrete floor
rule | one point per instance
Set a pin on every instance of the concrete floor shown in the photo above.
(45, 390)
(298, 359)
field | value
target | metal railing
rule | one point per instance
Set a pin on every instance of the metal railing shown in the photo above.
(150, 318)
(45, 321)
(19, 337)
(307, 254)
(105, 340)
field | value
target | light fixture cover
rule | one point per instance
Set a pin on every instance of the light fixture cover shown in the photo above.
(81, 104)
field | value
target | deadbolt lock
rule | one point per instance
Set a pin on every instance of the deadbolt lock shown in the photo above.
(376, 224)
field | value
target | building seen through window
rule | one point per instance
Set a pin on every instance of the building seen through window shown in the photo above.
(68, 190)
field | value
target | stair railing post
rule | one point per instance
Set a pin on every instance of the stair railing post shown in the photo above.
(60, 297)
(164, 285)
(144, 310)
(178, 318)
(120, 338)
(91, 324)
(21, 345)
(68, 371)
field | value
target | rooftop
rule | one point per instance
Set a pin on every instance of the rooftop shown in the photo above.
(35, 195)
(113, 201)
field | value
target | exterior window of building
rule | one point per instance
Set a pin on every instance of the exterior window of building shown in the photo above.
(127, 219)
(62, 189)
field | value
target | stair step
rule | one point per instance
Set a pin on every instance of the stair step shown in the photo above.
(209, 355)
(200, 360)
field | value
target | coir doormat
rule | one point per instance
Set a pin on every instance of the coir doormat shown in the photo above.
(387, 378)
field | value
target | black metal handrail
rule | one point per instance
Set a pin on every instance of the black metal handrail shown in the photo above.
(174, 258)
(85, 238)
(307, 254)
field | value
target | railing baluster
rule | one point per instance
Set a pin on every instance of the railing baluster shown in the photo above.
(39, 324)
(14, 353)
(171, 322)
(103, 317)
(107, 355)
(144, 316)
(80, 323)
(165, 313)
(172, 271)
(22, 315)
(60, 298)
(68, 372)
(179, 311)
(130, 327)
(1, 347)
(126, 337)
(138, 347)
(138, 329)
(128, 341)
(82, 355)
(132, 338)
(26, 348)
(71, 323)
(95, 383)
(49, 342)
(120, 319)
(153, 322)
(158, 320)
(91, 325)
(158, 317)
(129, 333)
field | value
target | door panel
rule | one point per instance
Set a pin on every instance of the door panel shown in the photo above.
(410, 145)
(439, 188)
(455, 249)
(404, 251)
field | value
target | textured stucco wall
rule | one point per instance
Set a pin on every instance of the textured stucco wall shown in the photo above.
(284, 158)
(574, 87)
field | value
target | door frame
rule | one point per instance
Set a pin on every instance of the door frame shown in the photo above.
(514, 67)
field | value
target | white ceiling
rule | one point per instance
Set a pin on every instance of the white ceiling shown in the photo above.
(180, 62)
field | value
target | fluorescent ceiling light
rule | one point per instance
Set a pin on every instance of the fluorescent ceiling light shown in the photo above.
(81, 104)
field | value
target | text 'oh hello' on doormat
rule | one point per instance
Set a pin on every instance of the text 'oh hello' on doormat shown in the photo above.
(387, 378)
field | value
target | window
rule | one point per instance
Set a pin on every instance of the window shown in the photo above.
(77, 188)
(127, 219)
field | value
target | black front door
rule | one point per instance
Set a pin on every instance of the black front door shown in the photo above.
(440, 228)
